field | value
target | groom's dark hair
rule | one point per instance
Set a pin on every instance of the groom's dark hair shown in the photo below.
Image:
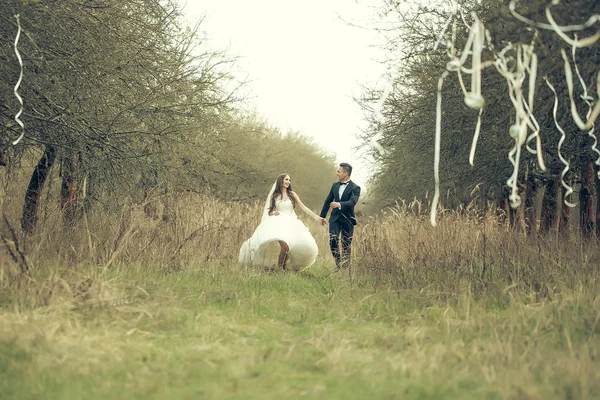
(346, 167)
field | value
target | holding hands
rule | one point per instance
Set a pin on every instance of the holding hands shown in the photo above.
(332, 205)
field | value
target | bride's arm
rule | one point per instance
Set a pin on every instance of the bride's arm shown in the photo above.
(304, 208)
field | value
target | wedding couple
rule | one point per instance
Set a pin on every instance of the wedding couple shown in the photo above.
(282, 239)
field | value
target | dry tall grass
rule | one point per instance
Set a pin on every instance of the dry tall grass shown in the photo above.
(164, 231)
(475, 250)
(149, 301)
(397, 247)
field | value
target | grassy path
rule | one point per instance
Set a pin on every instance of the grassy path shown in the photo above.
(218, 333)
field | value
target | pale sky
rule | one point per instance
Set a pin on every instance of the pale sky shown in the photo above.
(304, 63)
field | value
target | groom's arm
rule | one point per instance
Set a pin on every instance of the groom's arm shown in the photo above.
(328, 201)
(350, 203)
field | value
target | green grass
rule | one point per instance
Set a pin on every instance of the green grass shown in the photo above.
(221, 332)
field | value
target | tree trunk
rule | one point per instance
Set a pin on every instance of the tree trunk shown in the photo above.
(529, 204)
(550, 207)
(508, 221)
(68, 189)
(34, 190)
(588, 200)
(565, 217)
(597, 193)
(499, 205)
(510, 214)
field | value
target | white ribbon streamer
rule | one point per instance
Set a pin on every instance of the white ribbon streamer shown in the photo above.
(16, 89)
(436, 157)
(578, 43)
(515, 69)
(475, 139)
(569, 189)
(568, 28)
(589, 101)
(586, 42)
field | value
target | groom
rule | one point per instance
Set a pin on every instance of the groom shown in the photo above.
(341, 200)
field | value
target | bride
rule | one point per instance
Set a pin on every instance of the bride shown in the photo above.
(281, 238)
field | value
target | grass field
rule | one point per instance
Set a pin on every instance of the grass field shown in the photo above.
(224, 333)
(154, 309)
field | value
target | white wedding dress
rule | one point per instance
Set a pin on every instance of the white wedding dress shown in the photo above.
(262, 249)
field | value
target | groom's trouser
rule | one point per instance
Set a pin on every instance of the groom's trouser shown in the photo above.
(345, 230)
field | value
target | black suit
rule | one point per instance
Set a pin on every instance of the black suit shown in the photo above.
(341, 221)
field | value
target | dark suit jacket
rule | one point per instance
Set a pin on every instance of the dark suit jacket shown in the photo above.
(348, 201)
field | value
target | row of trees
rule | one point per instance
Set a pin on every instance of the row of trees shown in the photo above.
(407, 129)
(121, 99)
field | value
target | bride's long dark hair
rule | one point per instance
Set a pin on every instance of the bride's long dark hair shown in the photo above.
(278, 192)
